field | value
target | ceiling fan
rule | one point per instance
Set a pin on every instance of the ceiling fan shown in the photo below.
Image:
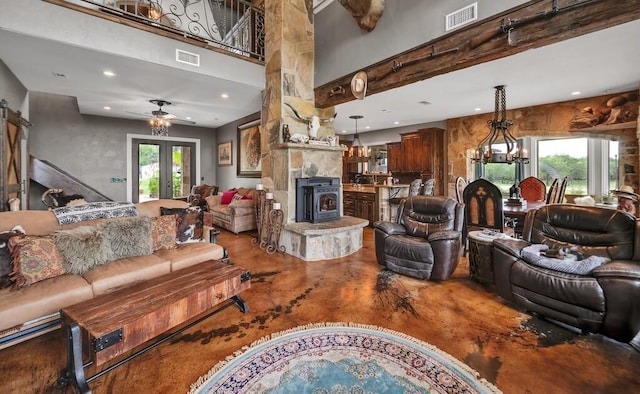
(160, 113)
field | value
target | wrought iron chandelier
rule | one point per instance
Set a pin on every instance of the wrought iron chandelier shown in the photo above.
(486, 152)
(159, 122)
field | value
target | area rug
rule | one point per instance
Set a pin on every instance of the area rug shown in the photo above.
(341, 358)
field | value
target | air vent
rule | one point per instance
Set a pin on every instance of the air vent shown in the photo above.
(461, 17)
(187, 58)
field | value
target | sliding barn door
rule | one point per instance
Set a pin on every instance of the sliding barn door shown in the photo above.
(13, 180)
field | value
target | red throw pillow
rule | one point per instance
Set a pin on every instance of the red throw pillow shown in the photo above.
(247, 197)
(227, 197)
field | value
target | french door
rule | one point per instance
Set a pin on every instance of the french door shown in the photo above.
(162, 169)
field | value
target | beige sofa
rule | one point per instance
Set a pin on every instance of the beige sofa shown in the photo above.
(236, 216)
(34, 310)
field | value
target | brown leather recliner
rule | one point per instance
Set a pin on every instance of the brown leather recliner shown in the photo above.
(426, 240)
(605, 299)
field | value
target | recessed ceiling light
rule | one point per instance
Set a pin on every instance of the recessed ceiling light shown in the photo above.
(344, 131)
(107, 108)
(396, 122)
(109, 73)
(224, 95)
(367, 127)
(576, 93)
(188, 117)
(478, 109)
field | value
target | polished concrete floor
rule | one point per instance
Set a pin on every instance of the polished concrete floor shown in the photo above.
(517, 352)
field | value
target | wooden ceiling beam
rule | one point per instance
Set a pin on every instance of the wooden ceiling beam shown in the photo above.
(535, 24)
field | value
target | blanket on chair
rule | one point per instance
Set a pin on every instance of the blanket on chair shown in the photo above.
(531, 254)
(94, 210)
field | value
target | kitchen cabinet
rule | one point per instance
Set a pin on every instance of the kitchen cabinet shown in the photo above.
(394, 155)
(411, 147)
(421, 152)
(360, 205)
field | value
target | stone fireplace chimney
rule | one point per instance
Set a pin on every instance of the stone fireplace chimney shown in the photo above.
(289, 67)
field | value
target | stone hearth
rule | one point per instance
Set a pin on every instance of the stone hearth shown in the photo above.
(321, 241)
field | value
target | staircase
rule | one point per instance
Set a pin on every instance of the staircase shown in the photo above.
(52, 177)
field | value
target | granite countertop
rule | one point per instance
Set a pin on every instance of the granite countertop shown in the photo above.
(399, 185)
(368, 188)
(359, 189)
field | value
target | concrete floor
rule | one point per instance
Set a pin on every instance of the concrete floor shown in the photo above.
(517, 352)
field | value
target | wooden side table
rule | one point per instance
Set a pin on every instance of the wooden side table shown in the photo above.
(481, 255)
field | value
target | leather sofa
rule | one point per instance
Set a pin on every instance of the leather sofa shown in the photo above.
(604, 299)
(235, 215)
(425, 241)
(33, 310)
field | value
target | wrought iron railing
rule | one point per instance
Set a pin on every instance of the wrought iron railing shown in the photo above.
(234, 25)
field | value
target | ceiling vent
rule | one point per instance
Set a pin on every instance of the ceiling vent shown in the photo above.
(461, 17)
(185, 57)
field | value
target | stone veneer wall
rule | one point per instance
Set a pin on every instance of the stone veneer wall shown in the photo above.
(548, 120)
(289, 67)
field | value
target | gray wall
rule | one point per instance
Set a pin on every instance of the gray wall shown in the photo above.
(227, 176)
(93, 148)
(341, 47)
(12, 90)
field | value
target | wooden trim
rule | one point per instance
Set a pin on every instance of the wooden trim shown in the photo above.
(536, 23)
(609, 127)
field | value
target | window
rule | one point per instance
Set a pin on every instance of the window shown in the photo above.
(590, 165)
(559, 158)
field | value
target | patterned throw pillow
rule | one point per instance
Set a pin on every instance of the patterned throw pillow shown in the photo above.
(237, 197)
(163, 232)
(6, 265)
(189, 222)
(35, 259)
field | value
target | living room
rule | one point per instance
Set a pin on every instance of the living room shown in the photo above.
(60, 134)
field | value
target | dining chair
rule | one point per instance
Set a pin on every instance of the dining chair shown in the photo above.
(483, 209)
(533, 189)
(561, 190)
(557, 191)
(414, 187)
(428, 187)
(461, 183)
(483, 206)
(553, 190)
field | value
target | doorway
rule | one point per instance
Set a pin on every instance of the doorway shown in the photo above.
(162, 169)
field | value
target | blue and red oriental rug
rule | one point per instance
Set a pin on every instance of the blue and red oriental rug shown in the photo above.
(341, 358)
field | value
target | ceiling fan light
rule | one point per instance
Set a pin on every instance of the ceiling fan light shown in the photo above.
(159, 124)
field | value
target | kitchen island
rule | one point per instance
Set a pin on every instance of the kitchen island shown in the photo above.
(372, 202)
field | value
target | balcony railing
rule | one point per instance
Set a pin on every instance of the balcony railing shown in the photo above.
(233, 25)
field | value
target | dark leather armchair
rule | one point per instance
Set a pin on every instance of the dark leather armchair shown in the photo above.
(604, 299)
(426, 240)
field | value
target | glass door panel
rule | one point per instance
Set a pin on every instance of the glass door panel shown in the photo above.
(162, 169)
(181, 178)
(148, 164)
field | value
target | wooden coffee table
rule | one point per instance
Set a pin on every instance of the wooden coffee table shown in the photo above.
(115, 323)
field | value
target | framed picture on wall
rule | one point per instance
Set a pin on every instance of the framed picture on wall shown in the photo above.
(249, 151)
(225, 154)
